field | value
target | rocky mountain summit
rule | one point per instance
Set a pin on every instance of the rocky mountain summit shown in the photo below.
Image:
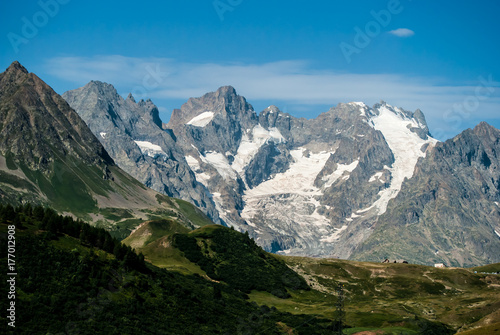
(29, 109)
(319, 187)
(300, 185)
(132, 134)
(450, 210)
(49, 156)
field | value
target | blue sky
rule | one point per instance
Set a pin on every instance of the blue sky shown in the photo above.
(304, 57)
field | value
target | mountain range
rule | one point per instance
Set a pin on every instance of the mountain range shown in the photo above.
(49, 156)
(357, 182)
(365, 183)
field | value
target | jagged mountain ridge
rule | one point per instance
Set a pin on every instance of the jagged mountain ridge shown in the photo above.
(304, 187)
(450, 210)
(49, 156)
(302, 178)
(128, 129)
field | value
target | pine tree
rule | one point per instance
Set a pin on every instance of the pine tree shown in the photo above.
(38, 213)
(8, 213)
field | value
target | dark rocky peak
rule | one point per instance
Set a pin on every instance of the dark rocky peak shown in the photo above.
(225, 104)
(130, 98)
(482, 133)
(487, 131)
(343, 115)
(14, 72)
(102, 88)
(216, 121)
(12, 76)
(225, 96)
(32, 108)
(98, 99)
(152, 111)
(478, 147)
(420, 117)
(15, 69)
(271, 111)
(423, 129)
(272, 116)
(226, 92)
(146, 102)
(145, 109)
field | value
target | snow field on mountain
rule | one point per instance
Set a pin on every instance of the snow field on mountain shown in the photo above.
(298, 179)
(193, 163)
(288, 202)
(335, 236)
(406, 147)
(375, 177)
(220, 163)
(250, 145)
(202, 120)
(341, 168)
(150, 149)
(201, 177)
(290, 198)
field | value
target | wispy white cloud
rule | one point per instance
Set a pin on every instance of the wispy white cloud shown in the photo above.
(448, 109)
(402, 32)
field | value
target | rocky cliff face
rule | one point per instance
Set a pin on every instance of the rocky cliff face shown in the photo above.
(321, 187)
(35, 121)
(132, 134)
(450, 210)
(308, 187)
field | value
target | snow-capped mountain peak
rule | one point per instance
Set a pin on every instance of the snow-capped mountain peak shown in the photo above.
(396, 125)
(318, 187)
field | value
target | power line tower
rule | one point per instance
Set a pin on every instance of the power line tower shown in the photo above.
(340, 308)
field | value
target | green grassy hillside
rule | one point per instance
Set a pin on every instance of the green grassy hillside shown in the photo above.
(493, 329)
(216, 252)
(487, 268)
(119, 203)
(87, 281)
(388, 298)
(69, 283)
(154, 240)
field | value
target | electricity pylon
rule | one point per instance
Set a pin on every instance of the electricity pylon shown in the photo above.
(340, 307)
